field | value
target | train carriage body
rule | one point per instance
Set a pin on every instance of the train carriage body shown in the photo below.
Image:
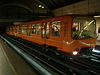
(66, 33)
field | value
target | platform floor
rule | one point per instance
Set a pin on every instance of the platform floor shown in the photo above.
(12, 64)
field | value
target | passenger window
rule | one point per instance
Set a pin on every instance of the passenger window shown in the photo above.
(38, 28)
(29, 30)
(17, 29)
(33, 28)
(47, 28)
(24, 29)
(56, 28)
(43, 29)
(7, 29)
(20, 30)
(11, 29)
(14, 29)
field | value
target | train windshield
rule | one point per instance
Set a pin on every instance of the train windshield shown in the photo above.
(83, 28)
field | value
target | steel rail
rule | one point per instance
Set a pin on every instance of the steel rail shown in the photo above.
(68, 64)
(33, 62)
(80, 70)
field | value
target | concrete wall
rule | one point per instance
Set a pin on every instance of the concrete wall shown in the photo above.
(97, 24)
(83, 7)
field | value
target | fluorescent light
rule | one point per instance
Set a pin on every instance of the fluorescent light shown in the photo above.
(97, 16)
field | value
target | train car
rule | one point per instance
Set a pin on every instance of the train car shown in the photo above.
(69, 34)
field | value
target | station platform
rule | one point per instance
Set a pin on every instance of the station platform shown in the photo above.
(13, 64)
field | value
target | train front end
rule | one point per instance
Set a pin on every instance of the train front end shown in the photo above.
(83, 35)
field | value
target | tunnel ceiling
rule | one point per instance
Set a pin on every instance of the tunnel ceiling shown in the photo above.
(54, 4)
(26, 10)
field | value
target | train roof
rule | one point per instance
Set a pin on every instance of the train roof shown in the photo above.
(50, 19)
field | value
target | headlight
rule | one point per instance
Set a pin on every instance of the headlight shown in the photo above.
(75, 53)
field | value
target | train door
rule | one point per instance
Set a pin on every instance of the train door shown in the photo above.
(55, 37)
(45, 30)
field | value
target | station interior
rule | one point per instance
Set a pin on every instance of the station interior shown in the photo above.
(18, 62)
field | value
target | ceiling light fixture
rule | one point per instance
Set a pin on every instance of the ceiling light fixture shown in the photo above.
(40, 6)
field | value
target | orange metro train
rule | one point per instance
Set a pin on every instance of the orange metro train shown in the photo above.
(67, 33)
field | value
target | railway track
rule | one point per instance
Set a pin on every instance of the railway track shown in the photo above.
(55, 62)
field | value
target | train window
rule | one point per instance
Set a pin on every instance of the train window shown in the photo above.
(11, 29)
(8, 29)
(83, 27)
(20, 30)
(38, 28)
(17, 29)
(29, 30)
(45, 29)
(56, 28)
(24, 29)
(33, 28)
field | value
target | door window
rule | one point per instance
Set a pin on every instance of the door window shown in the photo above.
(56, 28)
